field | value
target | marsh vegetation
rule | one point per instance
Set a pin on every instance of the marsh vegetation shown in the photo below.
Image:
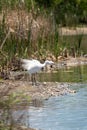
(33, 29)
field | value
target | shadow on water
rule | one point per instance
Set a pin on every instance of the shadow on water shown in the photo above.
(72, 74)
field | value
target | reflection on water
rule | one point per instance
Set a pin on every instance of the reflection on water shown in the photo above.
(62, 113)
(73, 74)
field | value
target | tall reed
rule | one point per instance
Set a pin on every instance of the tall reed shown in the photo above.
(35, 31)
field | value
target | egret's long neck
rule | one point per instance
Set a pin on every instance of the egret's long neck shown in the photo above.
(44, 64)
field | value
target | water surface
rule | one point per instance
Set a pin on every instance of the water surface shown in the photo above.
(62, 113)
(71, 74)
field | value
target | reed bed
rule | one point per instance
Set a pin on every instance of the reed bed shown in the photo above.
(27, 32)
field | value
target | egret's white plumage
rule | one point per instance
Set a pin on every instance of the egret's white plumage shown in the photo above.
(33, 66)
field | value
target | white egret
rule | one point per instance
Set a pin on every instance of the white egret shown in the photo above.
(33, 66)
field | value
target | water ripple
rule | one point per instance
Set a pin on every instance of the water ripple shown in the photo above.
(62, 113)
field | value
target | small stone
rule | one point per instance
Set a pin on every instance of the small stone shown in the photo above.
(44, 83)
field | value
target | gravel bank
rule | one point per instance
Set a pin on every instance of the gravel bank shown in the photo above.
(43, 90)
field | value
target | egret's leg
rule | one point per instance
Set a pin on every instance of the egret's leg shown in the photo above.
(35, 79)
(32, 79)
(24, 74)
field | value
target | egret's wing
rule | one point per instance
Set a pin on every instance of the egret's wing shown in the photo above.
(28, 64)
(25, 61)
(35, 61)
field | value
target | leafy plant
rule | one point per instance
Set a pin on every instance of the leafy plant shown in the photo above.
(7, 105)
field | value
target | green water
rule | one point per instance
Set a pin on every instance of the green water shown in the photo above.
(73, 74)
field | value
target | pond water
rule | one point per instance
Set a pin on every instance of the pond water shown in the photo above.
(62, 113)
(70, 74)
